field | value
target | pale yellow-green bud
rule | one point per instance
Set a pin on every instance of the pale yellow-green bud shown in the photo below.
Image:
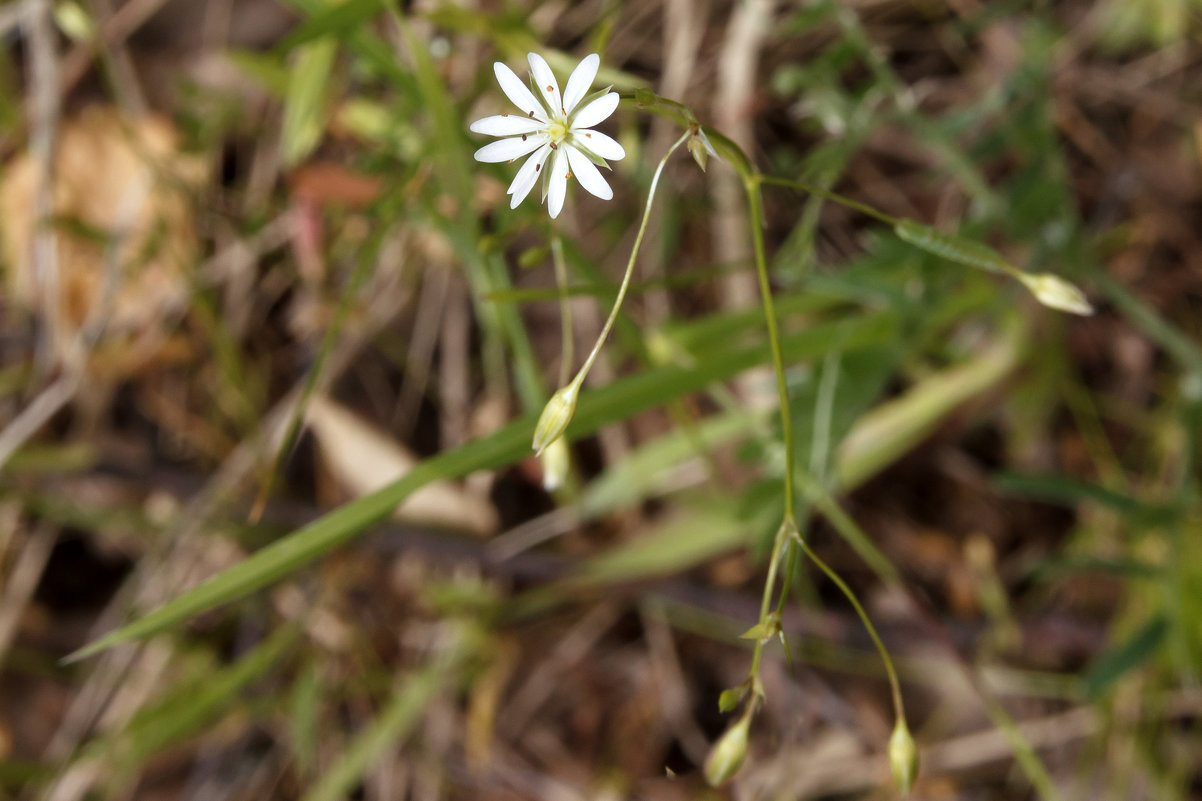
(1056, 293)
(700, 148)
(555, 464)
(555, 417)
(727, 755)
(903, 757)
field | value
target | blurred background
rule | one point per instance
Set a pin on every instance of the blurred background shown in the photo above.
(253, 275)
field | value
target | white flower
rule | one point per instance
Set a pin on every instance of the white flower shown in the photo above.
(558, 130)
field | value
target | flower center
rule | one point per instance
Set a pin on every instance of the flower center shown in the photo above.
(557, 129)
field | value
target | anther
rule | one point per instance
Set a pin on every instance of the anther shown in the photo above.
(531, 113)
(553, 146)
(523, 137)
(566, 177)
(549, 89)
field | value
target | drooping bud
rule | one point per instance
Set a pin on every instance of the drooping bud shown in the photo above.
(700, 147)
(1056, 293)
(727, 755)
(555, 417)
(903, 757)
(555, 464)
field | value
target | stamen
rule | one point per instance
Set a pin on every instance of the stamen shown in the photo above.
(503, 114)
(553, 146)
(566, 177)
(538, 166)
(531, 113)
(588, 135)
(549, 89)
(523, 137)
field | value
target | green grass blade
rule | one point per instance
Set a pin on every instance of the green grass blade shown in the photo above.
(305, 103)
(1128, 656)
(333, 20)
(395, 722)
(195, 705)
(618, 401)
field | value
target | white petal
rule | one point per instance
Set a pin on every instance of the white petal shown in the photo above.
(599, 144)
(558, 184)
(527, 176)
(596, 111)
(517, 92)
(587, 174)
(580, 81)
(544, 79)
(506, 125)
(509, 149)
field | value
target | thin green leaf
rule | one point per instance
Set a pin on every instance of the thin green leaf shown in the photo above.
(618, 401)
(305, 104)
(333, 20)
(395, 722)
(1128, 656)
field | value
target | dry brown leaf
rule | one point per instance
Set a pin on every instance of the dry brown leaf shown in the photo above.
(364, 459)
(120, 203)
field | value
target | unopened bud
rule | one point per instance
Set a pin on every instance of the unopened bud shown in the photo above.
(555, 417)
(1056, 293)
(903, 757)
(555, 464)
(727, 755)
(700, 148)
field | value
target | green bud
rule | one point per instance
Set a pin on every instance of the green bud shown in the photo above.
(700, 147)
(555, 464)
(555, 417)
(727, 755)
(765, 630)
(1056, 293)
(903, 757)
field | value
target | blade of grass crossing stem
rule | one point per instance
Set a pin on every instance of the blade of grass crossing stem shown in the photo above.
(395, 722)
(618, 401)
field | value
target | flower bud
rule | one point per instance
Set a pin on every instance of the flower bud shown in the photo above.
(903, 757)
(555, 417)
(1056, 293)
(727, 755)
(700, 148)
(555, 464)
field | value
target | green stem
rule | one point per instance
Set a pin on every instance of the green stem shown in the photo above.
(782, 537)
(894, 685)
(565, 309)
(751, 186)
(634, 252)
(842, 200)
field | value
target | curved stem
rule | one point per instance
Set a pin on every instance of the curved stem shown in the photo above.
(634, 252)
(894, 685)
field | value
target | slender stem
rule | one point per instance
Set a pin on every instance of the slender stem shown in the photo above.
(565, 309)
(634, 252)
(843, 200)
(782, 537)
(751, 185)
(894, 685)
